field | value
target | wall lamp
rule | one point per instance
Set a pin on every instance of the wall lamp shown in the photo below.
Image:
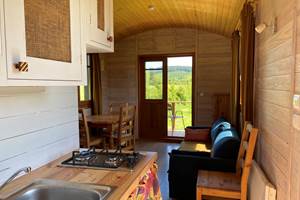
(262, 26)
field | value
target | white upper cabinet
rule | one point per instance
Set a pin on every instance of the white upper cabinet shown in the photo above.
(43, 43)
(98, 20)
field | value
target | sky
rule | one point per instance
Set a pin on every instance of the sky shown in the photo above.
(172, 61)
(181, 61)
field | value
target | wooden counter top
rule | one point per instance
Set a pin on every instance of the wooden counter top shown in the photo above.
(123, 181)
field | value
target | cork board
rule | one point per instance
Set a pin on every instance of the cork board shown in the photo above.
(48, 34)
(100, 14)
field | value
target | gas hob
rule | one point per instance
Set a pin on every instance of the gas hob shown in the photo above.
(103, 159)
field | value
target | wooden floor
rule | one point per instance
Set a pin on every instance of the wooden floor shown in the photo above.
(163, 148)
(163, 161)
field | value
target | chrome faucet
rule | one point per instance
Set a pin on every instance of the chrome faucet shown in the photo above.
(10, 179)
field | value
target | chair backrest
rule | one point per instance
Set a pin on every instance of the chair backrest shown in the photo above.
(84, 113)
(114, 108)
(245, 156)
(126, 120)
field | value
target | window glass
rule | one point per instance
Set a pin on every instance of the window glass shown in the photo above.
(85, 91)
(154, 80)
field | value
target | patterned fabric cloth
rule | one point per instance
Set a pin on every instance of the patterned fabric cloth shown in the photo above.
(148, 188)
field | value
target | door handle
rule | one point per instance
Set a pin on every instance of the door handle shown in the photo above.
(22, 66)
(110, 38)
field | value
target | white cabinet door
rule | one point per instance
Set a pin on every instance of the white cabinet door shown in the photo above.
(51, 66)
(101, 23)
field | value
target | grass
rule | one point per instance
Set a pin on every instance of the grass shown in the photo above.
(186, 108)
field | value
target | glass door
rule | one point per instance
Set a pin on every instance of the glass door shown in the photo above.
(180, 85)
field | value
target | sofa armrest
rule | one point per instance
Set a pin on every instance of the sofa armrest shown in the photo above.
(200, 160)
(183, 170)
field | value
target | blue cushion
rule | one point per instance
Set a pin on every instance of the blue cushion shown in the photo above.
(214, 132)
(218, 121)
(226, 144)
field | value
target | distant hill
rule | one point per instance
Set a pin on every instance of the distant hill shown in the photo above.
(179, 75)
(176, 74)
(180, 68)
(179, 83)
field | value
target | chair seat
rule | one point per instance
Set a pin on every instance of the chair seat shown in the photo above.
(123, 136)
(115, 135)
(219, 180)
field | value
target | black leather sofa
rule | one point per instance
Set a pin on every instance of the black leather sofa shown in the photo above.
(184, 164)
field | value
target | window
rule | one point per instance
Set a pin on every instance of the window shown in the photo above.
(85, 91)
(154, 80)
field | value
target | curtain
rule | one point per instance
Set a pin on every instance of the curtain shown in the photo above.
(247, 62)
(96, 84)
(235, 85)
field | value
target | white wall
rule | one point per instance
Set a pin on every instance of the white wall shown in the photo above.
(37, 125)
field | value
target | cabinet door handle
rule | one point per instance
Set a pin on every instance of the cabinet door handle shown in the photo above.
(110, 38)
(22, 66)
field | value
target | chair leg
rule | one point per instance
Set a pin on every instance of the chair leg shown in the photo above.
(104, 143)
(243, 195)
(111, 142)
(173, 124)
(133, 143)
(182, 119)
(199, 194)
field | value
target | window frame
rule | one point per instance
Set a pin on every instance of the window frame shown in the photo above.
(162, 79)
(87, 103)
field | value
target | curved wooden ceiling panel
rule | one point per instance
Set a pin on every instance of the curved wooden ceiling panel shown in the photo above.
(134, 16)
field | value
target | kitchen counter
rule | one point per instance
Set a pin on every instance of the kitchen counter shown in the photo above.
(124, 182)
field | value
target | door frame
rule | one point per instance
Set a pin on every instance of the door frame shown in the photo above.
(141, 59)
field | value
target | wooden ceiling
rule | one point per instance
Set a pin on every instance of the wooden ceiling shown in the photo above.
(134, 16)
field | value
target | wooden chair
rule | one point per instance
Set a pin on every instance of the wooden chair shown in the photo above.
(114, 108)
(173, 115)
(124, 136)
(230, 185)
(90, 140)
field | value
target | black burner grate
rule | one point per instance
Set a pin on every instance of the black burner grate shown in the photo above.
(103, 159)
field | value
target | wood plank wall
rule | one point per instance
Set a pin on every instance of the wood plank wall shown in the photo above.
(277, 80)
(38, 125)
(213, 65)
(295, 164)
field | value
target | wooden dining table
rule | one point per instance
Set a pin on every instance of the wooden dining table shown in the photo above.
(109, 122)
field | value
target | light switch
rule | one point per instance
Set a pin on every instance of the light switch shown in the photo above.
(296, 102)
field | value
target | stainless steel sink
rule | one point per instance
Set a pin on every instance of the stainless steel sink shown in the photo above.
(46, 189)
